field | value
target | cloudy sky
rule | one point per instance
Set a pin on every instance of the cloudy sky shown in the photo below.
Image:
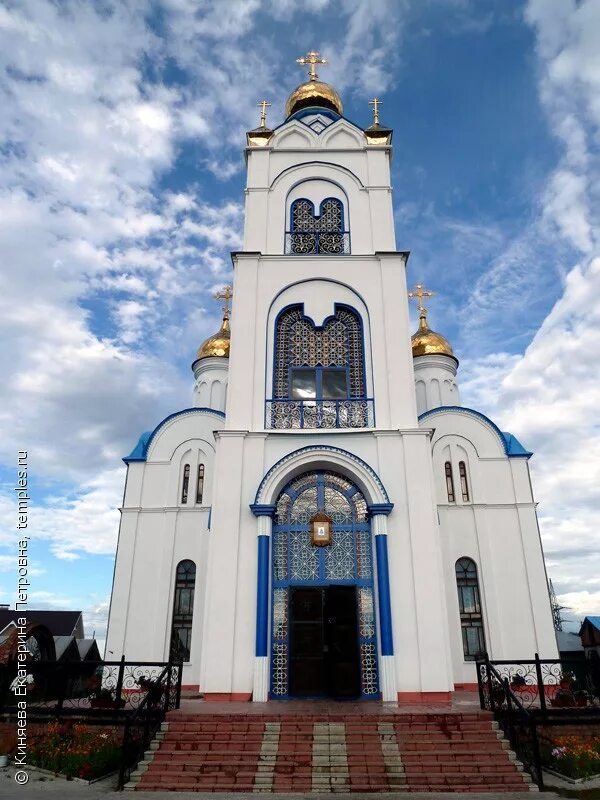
(121, 190)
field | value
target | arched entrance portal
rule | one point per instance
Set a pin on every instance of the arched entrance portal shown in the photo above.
(323, 636)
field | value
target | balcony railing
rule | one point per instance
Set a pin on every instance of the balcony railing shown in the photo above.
(307, 243)
(286, 414)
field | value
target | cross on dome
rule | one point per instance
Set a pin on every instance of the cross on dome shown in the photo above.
(312, 58)
(418, 294)
(376, 102)
(225, 294)
(263, 105)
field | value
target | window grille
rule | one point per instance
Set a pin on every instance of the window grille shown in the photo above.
(464, 486)
(469, 605)
(186, 484)
(200, 484)
(319, 373)
(183, 609)
(449, 482)
(317, 234)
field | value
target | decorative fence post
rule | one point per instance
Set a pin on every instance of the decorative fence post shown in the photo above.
(179, 681)
(119, 686)
(540, 683)
(168, 688)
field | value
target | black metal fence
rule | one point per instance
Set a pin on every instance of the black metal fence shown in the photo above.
(135, 696)
(527, 696)
(83, 688)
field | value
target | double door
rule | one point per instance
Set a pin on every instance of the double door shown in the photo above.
(324, 647)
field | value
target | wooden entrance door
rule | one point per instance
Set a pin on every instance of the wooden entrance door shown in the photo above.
(324, 655)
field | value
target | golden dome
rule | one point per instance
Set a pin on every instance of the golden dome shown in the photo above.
(217, 345)
(313, 93)
(426, 342)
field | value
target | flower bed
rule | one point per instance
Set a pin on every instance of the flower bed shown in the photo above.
(76, 750)
(572, 756)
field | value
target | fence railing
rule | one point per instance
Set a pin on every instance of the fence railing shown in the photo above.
(350, 413)
(107, 688)
(525, 696)
(312, 242)
(544, 685)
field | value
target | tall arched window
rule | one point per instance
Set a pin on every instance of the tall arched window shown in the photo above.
(319, 373)
(200, 484)
(323, 233)
(464, 485)
(449, 482)
(183, 609)
(185, 485)
(469, 604)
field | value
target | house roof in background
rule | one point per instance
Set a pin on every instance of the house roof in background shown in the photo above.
(59, 623)
(568, 642)
(594, 621)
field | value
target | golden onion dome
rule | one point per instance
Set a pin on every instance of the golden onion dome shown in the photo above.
(426, 342)
(313, 93)
(217, 345)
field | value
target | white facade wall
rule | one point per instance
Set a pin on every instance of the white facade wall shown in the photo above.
(435, 382)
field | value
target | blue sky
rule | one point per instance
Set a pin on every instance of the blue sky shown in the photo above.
(121, 195)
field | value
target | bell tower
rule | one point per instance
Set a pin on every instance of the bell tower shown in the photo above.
(321, 385)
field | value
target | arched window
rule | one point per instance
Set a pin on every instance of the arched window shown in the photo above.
(200, 484)
(464, 486)
(449, 482)
(324, 233)
(319, 373)
(183, 609)
(185, 486)
(469, 604)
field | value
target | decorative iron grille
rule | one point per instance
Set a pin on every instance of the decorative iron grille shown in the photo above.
(322, 234)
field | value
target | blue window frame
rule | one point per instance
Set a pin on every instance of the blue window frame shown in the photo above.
(319, 372)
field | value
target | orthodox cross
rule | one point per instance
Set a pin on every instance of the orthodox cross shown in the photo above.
(225, 295)
(376, 102)
(312, 58)
(418, 294)
(263, 105)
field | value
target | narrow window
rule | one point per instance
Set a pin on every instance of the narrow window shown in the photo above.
(464, 486)
(469, 605)
(200, 484)
(186, 483)
(183, 609)
(449, 482)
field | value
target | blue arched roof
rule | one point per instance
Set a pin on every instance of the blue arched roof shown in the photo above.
(512, 446)
(140, 451)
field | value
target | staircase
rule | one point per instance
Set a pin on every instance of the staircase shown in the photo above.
(435, 752)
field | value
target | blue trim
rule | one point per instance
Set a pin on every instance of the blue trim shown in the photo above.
(321, 448)
(262, 598)
(318, 110)
(262, 510)
(380, 508)
(512, 446)
(140, 451)
(383, 587)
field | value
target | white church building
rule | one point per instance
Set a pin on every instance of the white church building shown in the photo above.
(326, 519)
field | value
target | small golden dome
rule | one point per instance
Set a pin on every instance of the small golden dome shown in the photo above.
(426, 342)
(217, 345)
(313, 93)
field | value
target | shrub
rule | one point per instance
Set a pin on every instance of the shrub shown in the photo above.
(573, 757)
(76, 750)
